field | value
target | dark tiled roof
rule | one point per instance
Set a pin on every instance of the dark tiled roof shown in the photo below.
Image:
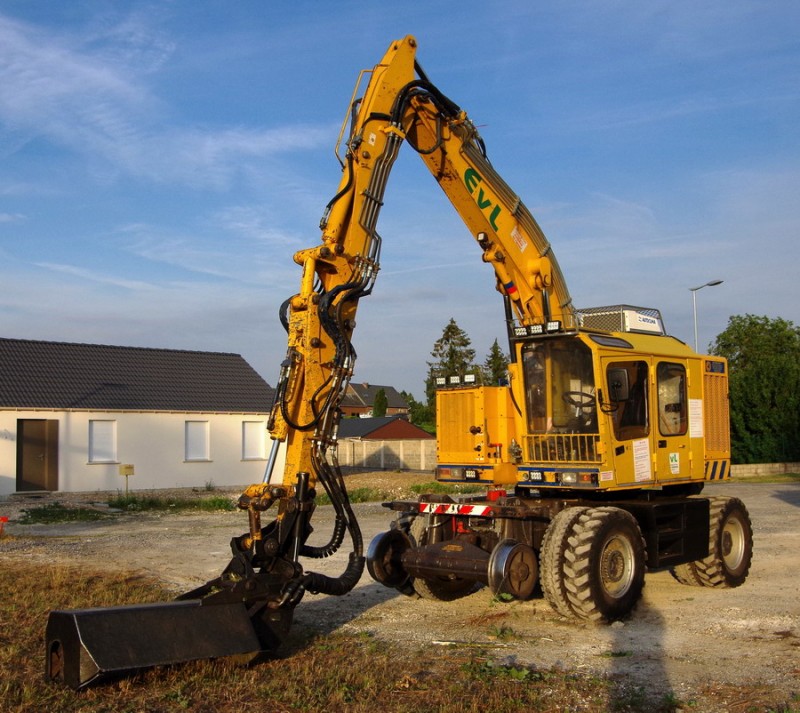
(58, 375)
(364, 395)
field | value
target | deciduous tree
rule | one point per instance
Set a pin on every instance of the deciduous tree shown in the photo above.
(764, 379)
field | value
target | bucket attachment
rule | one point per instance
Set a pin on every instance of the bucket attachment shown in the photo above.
(244, 612)
(241, 613)
(86, 646)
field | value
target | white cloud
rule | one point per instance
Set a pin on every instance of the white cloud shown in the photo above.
(78, 100)
(93, 276)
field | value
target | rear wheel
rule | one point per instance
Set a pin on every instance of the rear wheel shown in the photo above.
(730, 548)
(604, 564)
(442, 589)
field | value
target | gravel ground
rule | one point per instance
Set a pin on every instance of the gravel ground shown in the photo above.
(683, 642)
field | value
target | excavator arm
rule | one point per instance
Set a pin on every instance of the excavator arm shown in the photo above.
(265, 580)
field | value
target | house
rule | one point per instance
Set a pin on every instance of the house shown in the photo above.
(390, 443)
(72, 414)
(360, 398)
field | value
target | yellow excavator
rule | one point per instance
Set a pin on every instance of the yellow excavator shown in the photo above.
(593, 453)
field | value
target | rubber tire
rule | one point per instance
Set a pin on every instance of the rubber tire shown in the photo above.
(551, 559)
(730, 548)
(606, 552)
(440, 589)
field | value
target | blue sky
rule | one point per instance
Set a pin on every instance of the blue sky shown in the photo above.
(160, 162)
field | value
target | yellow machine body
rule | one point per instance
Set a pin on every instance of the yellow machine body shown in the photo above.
(591, 410)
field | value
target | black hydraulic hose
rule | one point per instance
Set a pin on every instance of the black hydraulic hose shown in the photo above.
(346, 188)
(337, 537)
(283, 314)
(317, 583)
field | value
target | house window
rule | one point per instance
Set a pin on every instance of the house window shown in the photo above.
(197, 441)
(253, 440)
(102, 441)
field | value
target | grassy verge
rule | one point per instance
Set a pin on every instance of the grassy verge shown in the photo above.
(56, 512)
(375, 495)
(140, 503)
(775, 478)
(333, 673)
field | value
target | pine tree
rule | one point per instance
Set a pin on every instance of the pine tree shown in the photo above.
(495, 366)
(453, 356)
(380, 405)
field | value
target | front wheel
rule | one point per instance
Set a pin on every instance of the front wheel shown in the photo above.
(604, 564)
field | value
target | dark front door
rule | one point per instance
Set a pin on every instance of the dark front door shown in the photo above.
(37, 454)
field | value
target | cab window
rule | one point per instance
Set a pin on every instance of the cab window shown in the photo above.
(627, 388)
(672, 408)
(559, 387)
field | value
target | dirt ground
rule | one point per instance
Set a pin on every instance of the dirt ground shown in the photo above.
(680, 642)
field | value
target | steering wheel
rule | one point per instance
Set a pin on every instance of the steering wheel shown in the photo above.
(579, 399)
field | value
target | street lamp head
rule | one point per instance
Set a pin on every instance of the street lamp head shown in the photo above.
(711, 283)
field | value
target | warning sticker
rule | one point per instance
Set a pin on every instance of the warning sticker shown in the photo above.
(641, 460)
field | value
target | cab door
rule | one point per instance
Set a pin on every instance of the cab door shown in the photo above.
(628, 385)
(673, 459)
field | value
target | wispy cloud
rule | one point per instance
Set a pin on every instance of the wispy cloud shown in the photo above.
(76, 98)
(92, 276)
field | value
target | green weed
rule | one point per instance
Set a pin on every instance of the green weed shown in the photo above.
(56, 512)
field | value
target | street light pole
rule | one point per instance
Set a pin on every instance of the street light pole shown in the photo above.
(693, 290)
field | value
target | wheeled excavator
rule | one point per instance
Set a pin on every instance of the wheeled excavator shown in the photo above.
(593, 453)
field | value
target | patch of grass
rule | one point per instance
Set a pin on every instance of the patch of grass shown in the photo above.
(438, 488)
(357, 495)
(56, 512)
(337, 672)
(616, 654)
(143, 503)
(502, 632)
(374, 495)
(777, 478)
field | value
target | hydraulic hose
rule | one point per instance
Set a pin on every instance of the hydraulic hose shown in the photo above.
(322, 584)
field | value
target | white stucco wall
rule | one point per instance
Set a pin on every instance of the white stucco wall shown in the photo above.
(153, 442)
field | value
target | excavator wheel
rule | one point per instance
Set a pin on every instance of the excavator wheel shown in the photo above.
(604, 564)
(730, 548)
(442, 589)
(551, 559)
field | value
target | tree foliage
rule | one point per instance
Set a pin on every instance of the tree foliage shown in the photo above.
(420, 414)
(453, 355)
(764, 380)
(380, 405)
(495, 366)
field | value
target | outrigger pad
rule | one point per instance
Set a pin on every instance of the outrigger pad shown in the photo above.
(86, 646)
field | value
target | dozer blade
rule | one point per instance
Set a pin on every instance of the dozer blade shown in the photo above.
(86, 646)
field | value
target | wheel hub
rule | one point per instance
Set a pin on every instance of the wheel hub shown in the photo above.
(616, 567)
